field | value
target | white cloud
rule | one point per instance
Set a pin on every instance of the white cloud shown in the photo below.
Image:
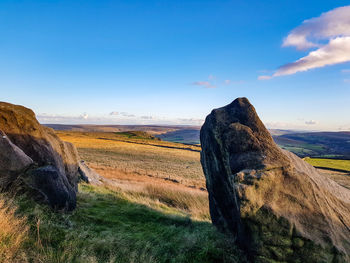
(311, 122)
(328, 33)
(56, 118)
(337, 51)
(347, 80)
(84, 116)
(264, 77)
(345, 71)
(332, 24)
(128, 115)
(114, 113)
(205, 84)
(122, 119)
(147, 117)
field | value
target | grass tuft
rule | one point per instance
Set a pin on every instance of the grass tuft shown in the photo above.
(13, 231)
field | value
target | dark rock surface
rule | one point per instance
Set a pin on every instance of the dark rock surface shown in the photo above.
(13, 161)
(34, 154)
(52, 187)
(278, 207)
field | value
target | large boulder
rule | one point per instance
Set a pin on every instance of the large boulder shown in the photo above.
(279, 208)
(38, 142)
(26, 147)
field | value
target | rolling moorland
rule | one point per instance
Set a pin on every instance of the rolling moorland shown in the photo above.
(155, 209)
(304, 144)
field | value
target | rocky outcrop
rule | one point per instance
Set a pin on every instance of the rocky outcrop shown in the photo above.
(35, 154)
(278, 207)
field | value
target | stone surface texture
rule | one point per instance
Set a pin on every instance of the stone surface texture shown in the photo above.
(279, 208)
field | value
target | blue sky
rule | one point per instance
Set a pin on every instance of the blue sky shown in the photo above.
(172, 62)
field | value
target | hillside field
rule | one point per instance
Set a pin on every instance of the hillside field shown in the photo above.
(155, 209)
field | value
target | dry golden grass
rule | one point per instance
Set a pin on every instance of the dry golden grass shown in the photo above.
(166, 197)
(158, 174)
(136, 156)
(13, 232)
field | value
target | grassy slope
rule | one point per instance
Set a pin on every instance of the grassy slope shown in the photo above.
(107, 227)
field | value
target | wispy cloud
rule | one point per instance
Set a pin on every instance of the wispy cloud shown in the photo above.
(56, 118)
(311, 122)
(126, 114)
(329, 34)
(345, 71)
(347, 80)
(147, 117)
(264, 77)
(113, 118)
(205, 84)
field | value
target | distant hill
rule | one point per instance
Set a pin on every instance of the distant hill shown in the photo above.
(313, 144)
(188, 136)
(322, 144)
(151, 129)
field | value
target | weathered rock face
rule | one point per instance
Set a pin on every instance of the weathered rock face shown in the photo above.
(38, 142)
(278, 206)
(24, 143)
(12, 160)
(88, 175)
(52, 186)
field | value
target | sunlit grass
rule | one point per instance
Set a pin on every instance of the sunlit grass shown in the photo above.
(13, 232)
(330, 163)
(137, 155)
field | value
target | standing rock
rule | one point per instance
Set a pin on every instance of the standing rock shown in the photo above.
(278, 207)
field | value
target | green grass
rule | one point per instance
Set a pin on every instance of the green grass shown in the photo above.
(106, 227)
(137, 135)
(330, 163)
(304, 149)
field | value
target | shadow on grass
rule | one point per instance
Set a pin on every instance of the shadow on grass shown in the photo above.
(105, 227)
